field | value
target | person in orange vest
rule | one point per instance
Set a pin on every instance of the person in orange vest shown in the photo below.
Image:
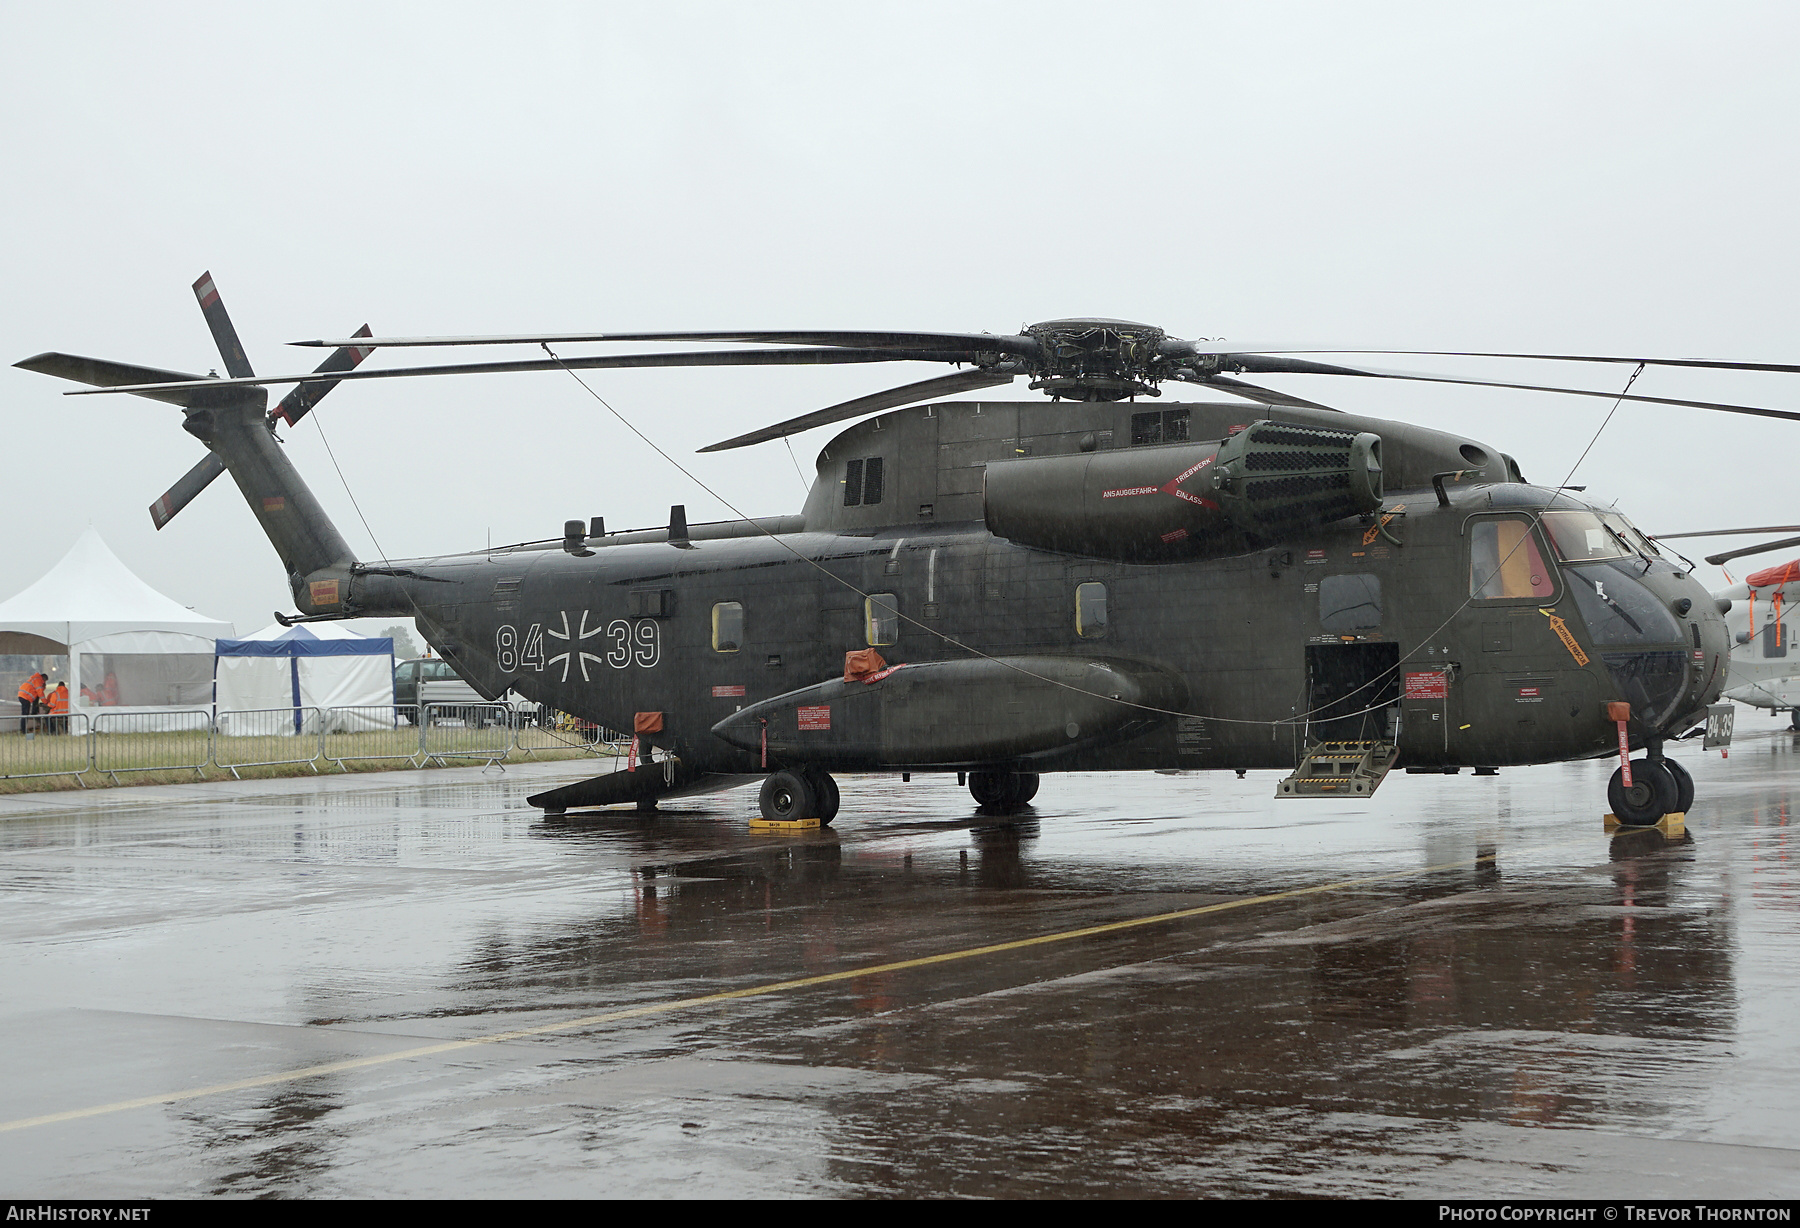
(109, 690)
(31, 699)
(59, 708)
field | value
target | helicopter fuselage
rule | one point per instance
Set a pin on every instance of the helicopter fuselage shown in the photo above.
(1393, 625)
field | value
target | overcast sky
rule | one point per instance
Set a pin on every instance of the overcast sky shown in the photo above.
(1608, 178)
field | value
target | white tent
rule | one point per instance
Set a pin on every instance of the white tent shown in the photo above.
(275, 680)
(130, 649)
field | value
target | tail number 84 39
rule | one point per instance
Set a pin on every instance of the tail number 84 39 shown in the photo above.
(558, 642)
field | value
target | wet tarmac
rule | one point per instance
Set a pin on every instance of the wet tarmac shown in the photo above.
(415, 985)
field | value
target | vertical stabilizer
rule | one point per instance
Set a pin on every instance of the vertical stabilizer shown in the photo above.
(314, 553)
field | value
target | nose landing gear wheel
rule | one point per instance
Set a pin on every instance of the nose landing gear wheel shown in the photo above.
(1684, 786)
(1653, 793)
(825, 788)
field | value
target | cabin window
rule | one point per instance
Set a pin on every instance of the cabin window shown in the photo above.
(881, 619)
(1504, 561)
(863, 482)
(728, 626)
(1159, 426)
(1350, 603)
(1090, 610)
(1774, 638)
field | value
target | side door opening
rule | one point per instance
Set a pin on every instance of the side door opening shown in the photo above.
(1352, 692)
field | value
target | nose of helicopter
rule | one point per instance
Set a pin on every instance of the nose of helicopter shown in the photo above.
(1660, 635)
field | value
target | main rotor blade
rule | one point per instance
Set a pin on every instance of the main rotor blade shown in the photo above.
(893, 398)
(697, 358)
(961, 342)
(1718, 559)
(1768, 528)
(1240, 348)
(1297, 366)
(1253, 392)
(224, 333)
(299, 402)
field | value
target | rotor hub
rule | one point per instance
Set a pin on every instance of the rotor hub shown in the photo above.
(1096, 360)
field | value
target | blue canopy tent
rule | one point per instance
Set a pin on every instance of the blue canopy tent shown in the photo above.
(273, 681)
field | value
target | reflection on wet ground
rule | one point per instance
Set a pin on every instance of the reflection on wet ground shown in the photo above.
(1461, 987)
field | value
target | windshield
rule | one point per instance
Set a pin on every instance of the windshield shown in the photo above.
(1618, 609)
(1632, 536)
(1582, 537)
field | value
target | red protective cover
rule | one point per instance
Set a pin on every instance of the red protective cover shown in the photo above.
(647, 722)
(862, 663)
(1769, 577)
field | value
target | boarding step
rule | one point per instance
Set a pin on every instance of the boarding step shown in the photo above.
(1340, 769)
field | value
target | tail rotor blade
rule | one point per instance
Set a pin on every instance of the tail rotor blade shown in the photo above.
(182, 493)
(293, 407)
(299, 402)
(237, 365)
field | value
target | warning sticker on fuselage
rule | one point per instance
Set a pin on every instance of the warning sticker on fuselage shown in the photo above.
(1428, 684)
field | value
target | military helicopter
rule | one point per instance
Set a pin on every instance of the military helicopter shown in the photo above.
(1003, 589)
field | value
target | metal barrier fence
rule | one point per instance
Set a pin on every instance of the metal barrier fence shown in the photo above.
(532, 736)
(370, 733)
(45, 745)
(466, 731)
(263, 737)
(113, 743)
(152, 741)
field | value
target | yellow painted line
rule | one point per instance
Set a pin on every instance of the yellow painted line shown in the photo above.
(773, 987)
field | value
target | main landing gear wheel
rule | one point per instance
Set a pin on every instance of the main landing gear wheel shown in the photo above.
(1684, 786)
(1002, 790)
(1794, 719)
(1653, 793)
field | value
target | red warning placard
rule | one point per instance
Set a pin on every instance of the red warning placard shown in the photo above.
(1429, 684)
(816, 716)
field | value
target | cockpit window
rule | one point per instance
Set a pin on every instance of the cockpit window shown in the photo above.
(1581, 537)
(1504, 561)
(1618, 609)
(1631, 534)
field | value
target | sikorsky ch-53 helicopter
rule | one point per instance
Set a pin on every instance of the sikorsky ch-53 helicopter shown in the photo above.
(1004, 589)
